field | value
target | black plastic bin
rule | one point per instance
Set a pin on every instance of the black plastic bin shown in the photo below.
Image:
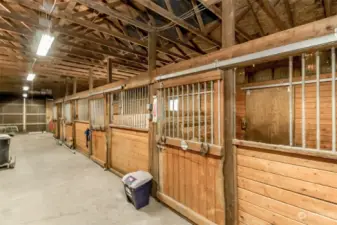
(137, 187)
(4, 149)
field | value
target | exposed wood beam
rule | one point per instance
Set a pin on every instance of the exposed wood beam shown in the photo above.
(327, 8)
(166, 14)
(257, 21)
(198, 15)
(289, 13)
(35, 6)
(269, 10)
(103, 8)
(229, 168)
(178, 30)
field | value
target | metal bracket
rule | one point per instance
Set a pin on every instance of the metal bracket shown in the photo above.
(204, 149)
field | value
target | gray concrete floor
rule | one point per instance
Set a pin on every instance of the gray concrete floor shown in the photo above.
(52, 186)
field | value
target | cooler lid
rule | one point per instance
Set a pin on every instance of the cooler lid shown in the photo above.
(5, 137)
(136, 179)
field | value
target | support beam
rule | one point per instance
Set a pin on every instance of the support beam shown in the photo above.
(153, 153)
(74, 86)
(270, 11)
(91, 79)
(289, 13)
(166, 14)
(228, 40)
(327, 8)
(109, 70)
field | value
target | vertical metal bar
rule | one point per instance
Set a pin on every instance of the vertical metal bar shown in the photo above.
(234, 105)
(193, 107)
(333, 98)
(212, 112)
(318, 120)
(24, 115)
(219, 110)
(291, 101)
(182, 112)
(178, 112)
(199, 113)
(173, 98)
(303, 102)
(188, 111)
(169, 111)
(205, 113)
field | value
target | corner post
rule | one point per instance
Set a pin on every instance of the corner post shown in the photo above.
(91, 86)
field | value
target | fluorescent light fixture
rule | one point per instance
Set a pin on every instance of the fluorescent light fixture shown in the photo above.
(25, 88)
(24, 95)
(45, 44)
(31, 76)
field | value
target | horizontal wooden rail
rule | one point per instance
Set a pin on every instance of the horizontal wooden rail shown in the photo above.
(287, 149)
(128, 128)
(81, 121)
(215, 150)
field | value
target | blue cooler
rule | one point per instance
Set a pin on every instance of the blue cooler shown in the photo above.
(137, 187)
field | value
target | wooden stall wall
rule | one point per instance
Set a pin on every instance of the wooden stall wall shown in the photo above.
(129, 150)
(99, 147)
(310, 114)
(194, 182)
(81, 141)
(284, 188)
(68, 132)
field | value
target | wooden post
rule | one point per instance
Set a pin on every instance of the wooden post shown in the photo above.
(67, 88)
(74, 85)
(74, 111)
(91, 86)
(228, 40)
(153, 153)
(109, 70)
(91, 79)
(107, 117)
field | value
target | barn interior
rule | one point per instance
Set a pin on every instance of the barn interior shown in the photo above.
(229, 105)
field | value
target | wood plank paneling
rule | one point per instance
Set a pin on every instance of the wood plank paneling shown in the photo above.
(69, 132)
(281, 188)
(99, 147)
(129, 150)
(192, 180)
(81, 142)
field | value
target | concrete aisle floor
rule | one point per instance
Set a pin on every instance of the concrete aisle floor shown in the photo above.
(52, 186)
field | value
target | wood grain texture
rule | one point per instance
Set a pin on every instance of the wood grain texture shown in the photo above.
(99, 147)
(81, 138)
(283, 188)
(129, 150)
(194, 181)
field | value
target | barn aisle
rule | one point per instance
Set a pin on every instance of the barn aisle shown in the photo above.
(52, 186)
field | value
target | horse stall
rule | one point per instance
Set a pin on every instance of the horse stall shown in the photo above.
(190, 137)
(81, 125)
(98, 147)
(129, 130)
(286, 141)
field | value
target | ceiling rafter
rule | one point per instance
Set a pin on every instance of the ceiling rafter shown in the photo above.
(271, 13)
(289, 13)
(257, 21)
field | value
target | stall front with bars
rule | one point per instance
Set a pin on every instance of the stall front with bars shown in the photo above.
(98, 132)
(286, 142)
(190, 132)
(129, 130)
(82, 125)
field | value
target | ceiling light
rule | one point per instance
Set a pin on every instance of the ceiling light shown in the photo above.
(24, 95)
(30, 76)
(45, 44)
(25, 88)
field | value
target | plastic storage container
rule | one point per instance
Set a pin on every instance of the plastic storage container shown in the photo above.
(4, 149)
(137, 187)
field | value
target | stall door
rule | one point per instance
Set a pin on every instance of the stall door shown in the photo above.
(190, 158)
